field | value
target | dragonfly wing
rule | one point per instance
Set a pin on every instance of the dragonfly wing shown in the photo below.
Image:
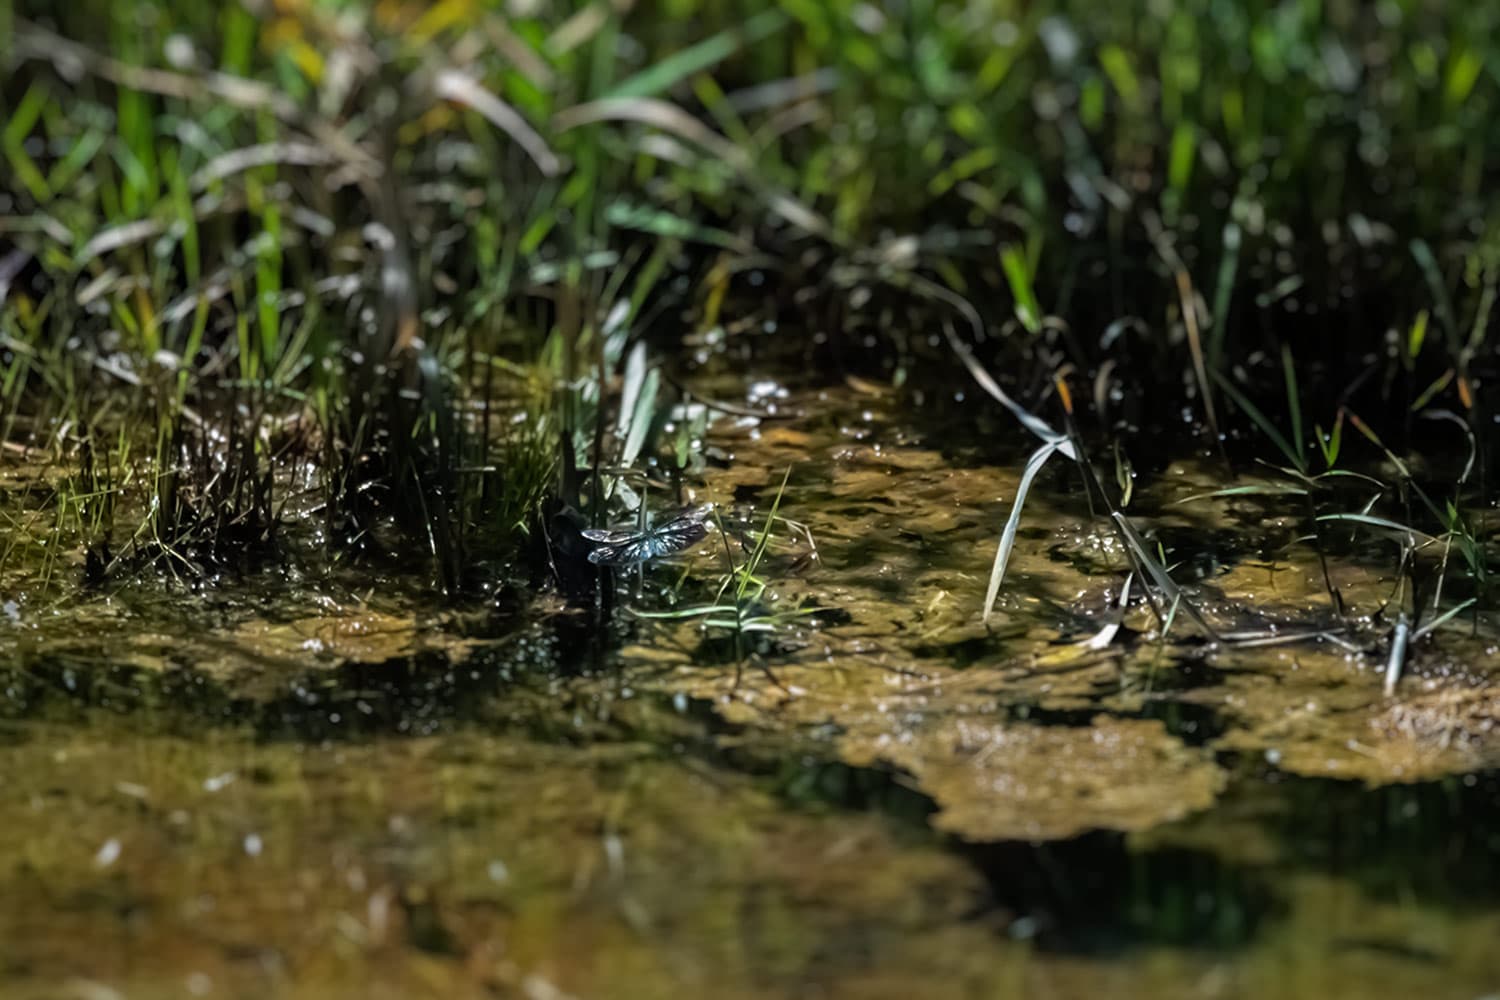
(625, 548)
(607, 536)
(603, 555)
(624, 554)
(676, 536)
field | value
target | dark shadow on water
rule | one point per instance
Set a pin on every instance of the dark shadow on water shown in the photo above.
(1093, 894)
(1435, 844)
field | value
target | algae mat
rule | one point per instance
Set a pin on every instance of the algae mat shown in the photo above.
(343, 787)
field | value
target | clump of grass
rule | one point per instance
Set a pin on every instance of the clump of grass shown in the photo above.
(376, 266)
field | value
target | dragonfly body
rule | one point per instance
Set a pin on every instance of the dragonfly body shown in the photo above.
(626, 547)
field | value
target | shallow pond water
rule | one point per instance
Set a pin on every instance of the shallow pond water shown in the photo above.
(342, 787)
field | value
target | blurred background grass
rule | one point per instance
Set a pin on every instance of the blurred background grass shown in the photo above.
(315, 247)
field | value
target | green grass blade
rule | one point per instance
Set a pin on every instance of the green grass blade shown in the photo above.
(1018, 277)
(1293, 404)
(1385, 524)
(1330, 443)
(1425, 259)
(1223, 291)
(1260, 489)
(661, 77)
(748, 571)
(1426, 396)
(1184, 150)
(1259, 418)
(1416, 336)
(659, 222)
(1445, 617)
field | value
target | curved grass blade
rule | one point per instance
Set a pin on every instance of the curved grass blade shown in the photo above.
(1347, 474)
(1029, 420)
(453, 85)
(1008, 536)
(1463, 425)
(1369, 520)
(1260, 489)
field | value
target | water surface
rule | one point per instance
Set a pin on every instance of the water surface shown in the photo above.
(345, 786)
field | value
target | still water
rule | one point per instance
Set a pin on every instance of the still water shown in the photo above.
(837, 783)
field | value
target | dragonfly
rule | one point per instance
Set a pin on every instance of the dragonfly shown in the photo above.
(629, 546)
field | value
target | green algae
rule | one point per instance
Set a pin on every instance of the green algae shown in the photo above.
(342, 786)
